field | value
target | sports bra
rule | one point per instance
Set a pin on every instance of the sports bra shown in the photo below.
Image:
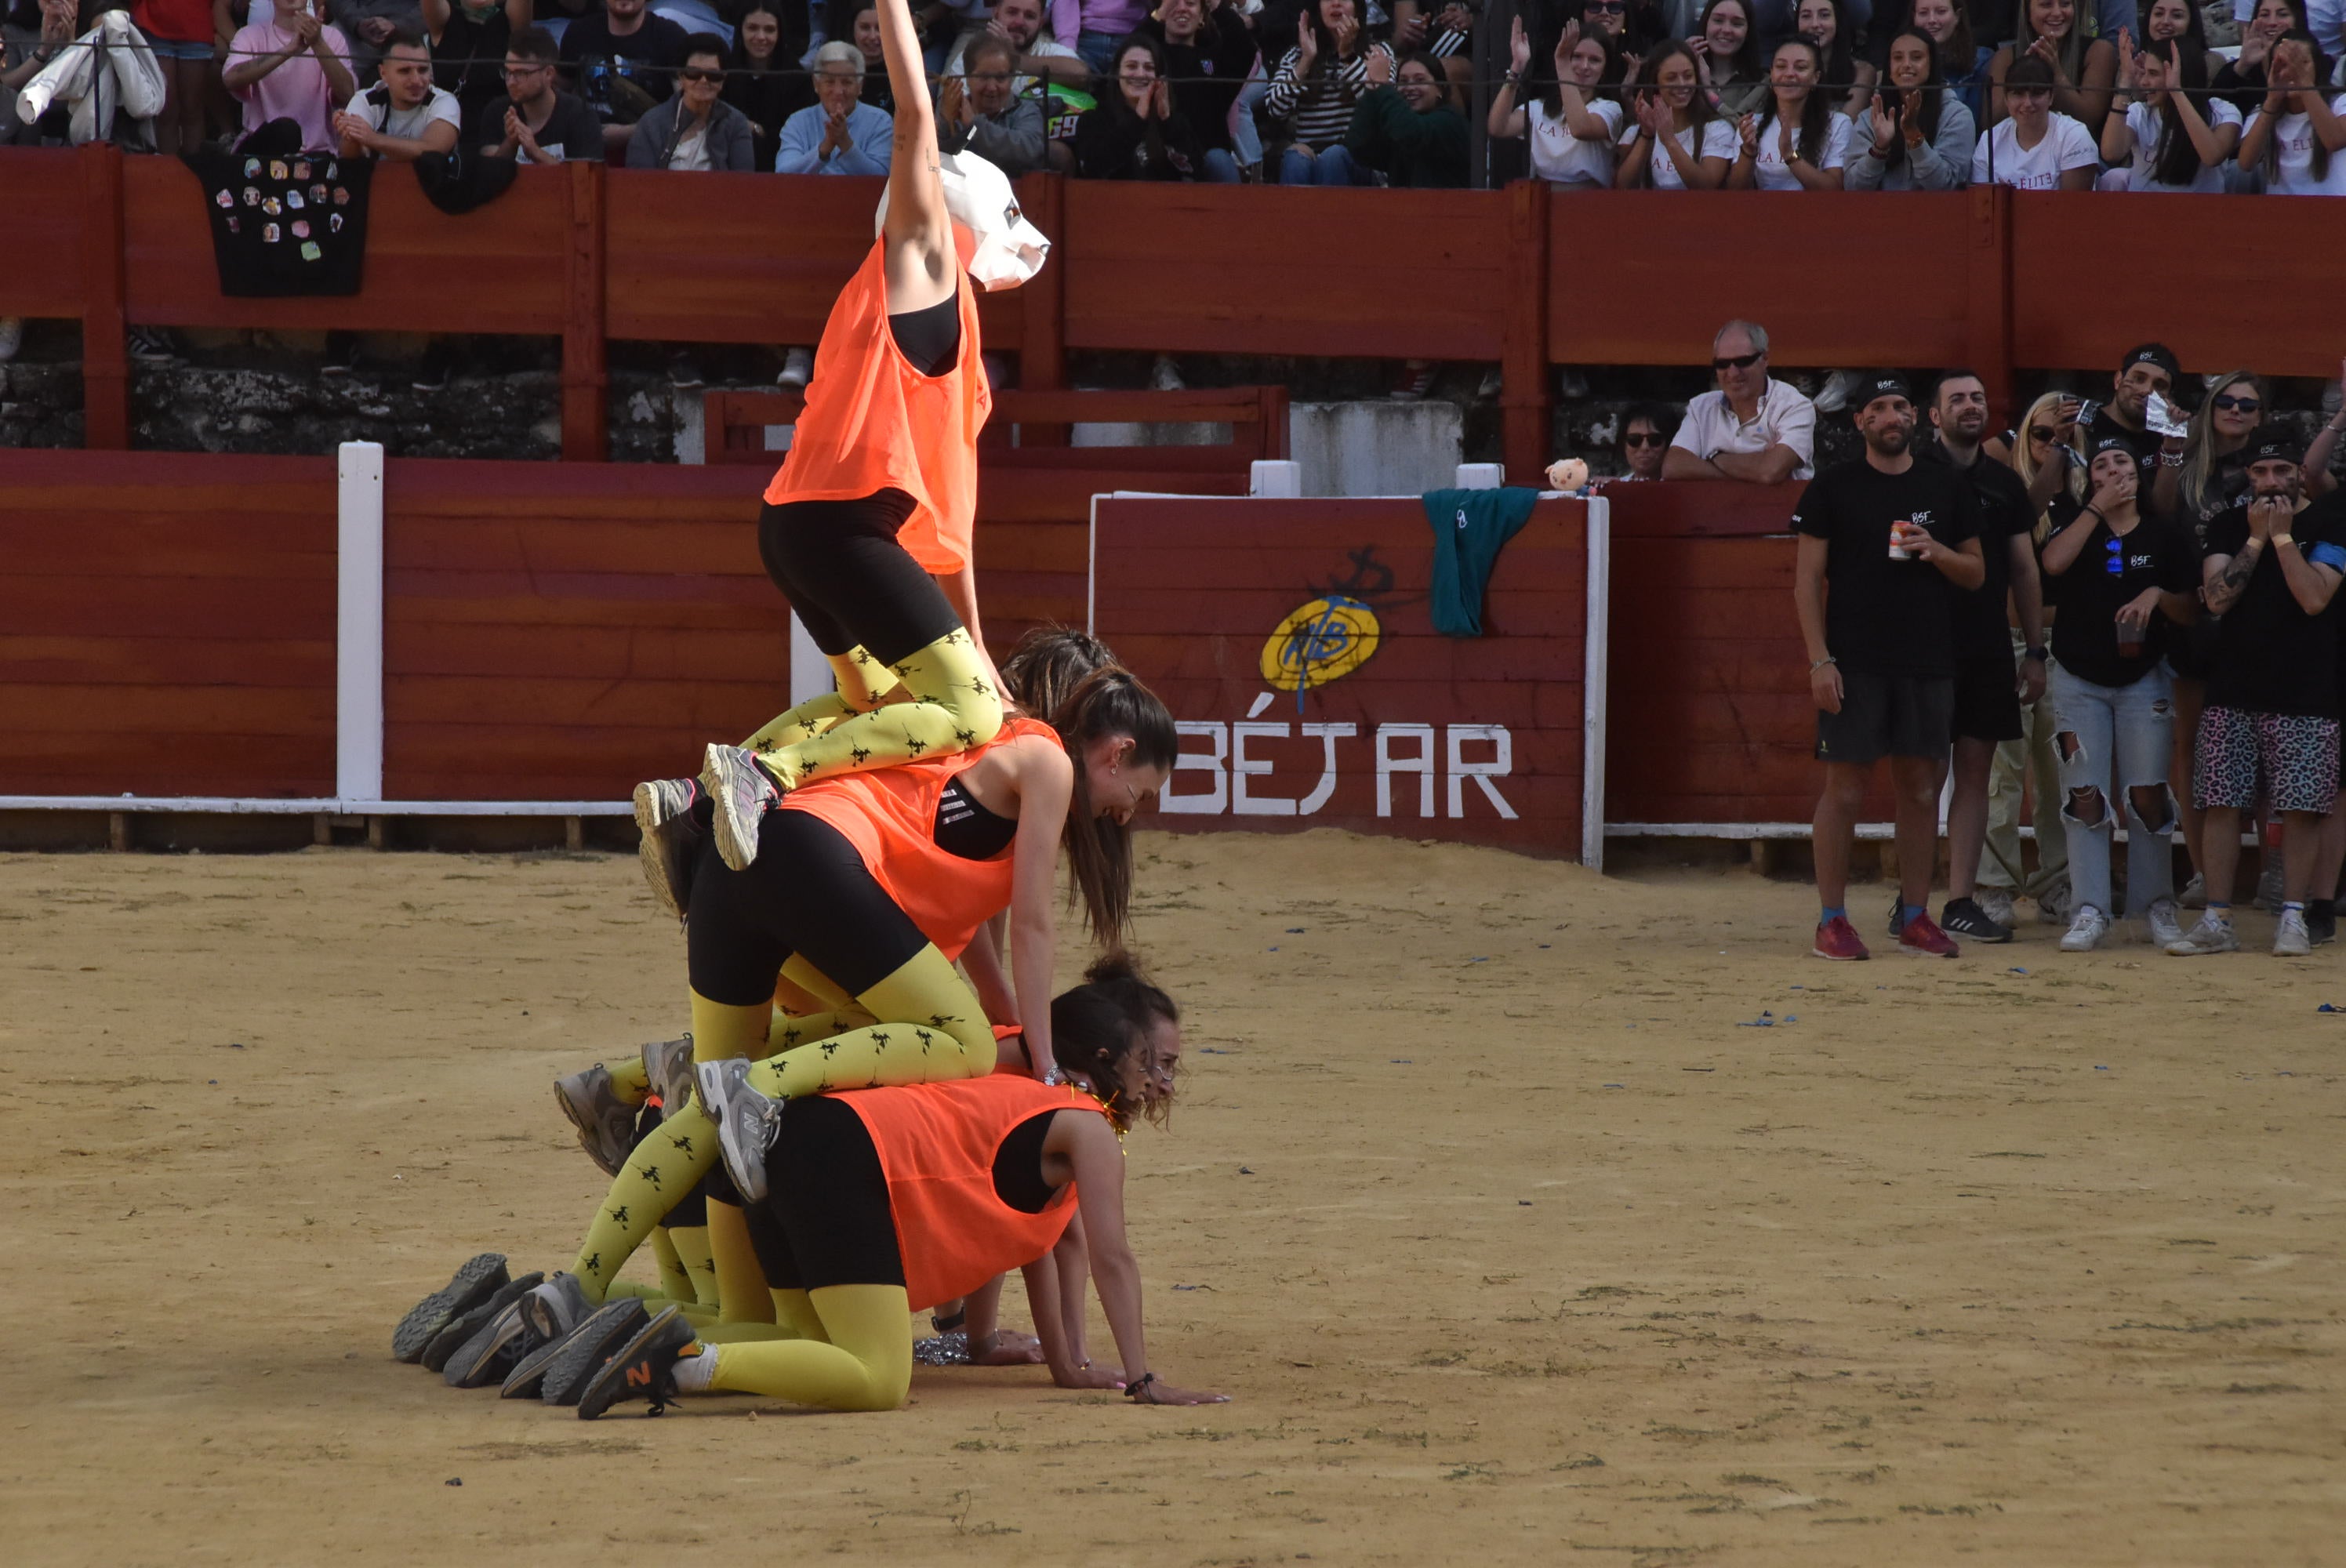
(1018, 1165)
(929, 338)
(966, 829)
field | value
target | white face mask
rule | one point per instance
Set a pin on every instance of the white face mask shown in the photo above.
(998, 246)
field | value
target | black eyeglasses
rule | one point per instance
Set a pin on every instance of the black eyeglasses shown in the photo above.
(1737, 362)
(1642, 438)
(2240, 404)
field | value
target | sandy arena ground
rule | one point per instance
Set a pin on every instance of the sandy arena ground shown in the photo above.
(1510, 1242)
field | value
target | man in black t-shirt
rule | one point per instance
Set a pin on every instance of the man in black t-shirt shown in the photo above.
(1884, 541)
(622, 61)
(1989, 696)
(2269, 728)
(2147, 371)
(534, 120)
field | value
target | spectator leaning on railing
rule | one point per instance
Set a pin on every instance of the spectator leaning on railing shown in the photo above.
(1916, 136)
(696, 129)
(404, 117)
(536, 120)
(1754, 428)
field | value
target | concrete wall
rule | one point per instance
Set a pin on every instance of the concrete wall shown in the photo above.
(1375, 448)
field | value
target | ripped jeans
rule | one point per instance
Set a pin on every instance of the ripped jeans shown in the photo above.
(2113, 740)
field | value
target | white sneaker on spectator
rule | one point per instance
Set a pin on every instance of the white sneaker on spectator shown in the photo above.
(1570, 382)
(2267, 897)
(1166, 376)
(2211, 935)
(2165, 929)
(150, 345)
(798, 366)
(1492, 384)
(2085, 929)
(2053, 904)
(11, 337)
(2291, 939)
(2193, 895)
(1834, 395)
(1995, 903)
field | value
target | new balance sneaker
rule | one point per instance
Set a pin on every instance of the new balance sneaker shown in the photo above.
(527, 1379)
(2165, 923)
(1996, 904)
(643, 1369)
(2212, 934)
(476, 1280)
(742, 791)
(669, 1064)
(2086, 927)
(449, 1340)
(2291, 939)
(2193, 895)
(668, 840)
(1964, 917)
(1921, 938)
(605, 1123)
(746, 1122)
(1837, 940)
(591, 1344)
(557, 1306)
(2053, 904)
(489, 1355)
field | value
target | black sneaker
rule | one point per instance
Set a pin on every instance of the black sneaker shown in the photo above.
(431, 370)
(644, 1367)
(489, 1355)
(474, 1281)
(1897, 914)
(2322, 925)
(1964, 918)
(451, 1340)
(590, 1345)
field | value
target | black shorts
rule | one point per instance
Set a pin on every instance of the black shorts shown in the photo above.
(1886, 716)
(852, 584)
(1987, 700)
(827, 1221)
(808, 891)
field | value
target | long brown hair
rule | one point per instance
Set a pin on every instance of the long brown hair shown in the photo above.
(1049, 663)
(1107, 703)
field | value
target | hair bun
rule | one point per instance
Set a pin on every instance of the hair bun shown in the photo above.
(1115, 964)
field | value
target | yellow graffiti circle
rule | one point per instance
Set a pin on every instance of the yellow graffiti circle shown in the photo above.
(1325, 640)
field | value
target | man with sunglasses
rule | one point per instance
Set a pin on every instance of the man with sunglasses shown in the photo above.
(1753, 428)
(1885, 544)
(535, 120)
(696, 129)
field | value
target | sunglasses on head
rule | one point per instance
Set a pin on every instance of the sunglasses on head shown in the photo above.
(1737, 362)
(1642, 438)
(2242, 404)
(700, 73)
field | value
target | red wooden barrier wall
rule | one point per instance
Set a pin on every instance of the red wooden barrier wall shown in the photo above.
(167, 625)
(1188, 593)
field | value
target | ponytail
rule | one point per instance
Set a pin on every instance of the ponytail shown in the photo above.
(1110, 702)
(1047, 664)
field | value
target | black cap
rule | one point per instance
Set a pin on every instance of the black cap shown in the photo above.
(2277, 449)
(1883, 385)
(2111, 443)
(2157, 354)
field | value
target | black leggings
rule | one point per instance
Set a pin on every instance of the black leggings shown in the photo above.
(808, 891)
(852, 584)
(828, 1222)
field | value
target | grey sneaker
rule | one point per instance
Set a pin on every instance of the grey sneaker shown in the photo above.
(449, 1340)
(2166, 925)
(742, 793)
(2210, 935)
(1996, 904)
(2291, 939)
(668, 840)
(669, 1064)
(2053, 904)
(2269, 894)
(476, 1280)
(487, 1355)
(557, 1306)
(527, 1379)
(583, 1354)
(2193, 895)
(642, 1369)
(2085, 930)
(746, 1122)
(605, 1123)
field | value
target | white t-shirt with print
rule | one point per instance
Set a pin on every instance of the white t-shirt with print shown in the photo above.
(2146, 122)
(2293, 134)
(380, 114)
(1769, 171)
(1717, 141)
(2066, 144)
(1561, 158)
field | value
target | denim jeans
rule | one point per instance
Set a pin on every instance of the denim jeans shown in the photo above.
(2029, 762)
(1219, 166)
(1244, 136)
(2117, 738)
(1099, 52)
(1332, 166)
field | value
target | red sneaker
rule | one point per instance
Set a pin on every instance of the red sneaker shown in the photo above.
(1837, 940)
(1924, 938)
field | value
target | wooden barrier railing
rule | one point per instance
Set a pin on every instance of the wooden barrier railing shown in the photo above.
(1526, 277)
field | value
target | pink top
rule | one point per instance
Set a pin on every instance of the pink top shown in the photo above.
(296, 90)
(1114, 18)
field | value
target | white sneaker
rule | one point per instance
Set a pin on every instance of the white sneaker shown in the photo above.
(2209, 936)
(2269, 893)
(2193, 895)
(1834, 395)
(11, 337)
(2291, 940)
(2085, 929)
(2053, 904)
(1995, 903)
(2165, 928)
(1165, 376)
(798, 368)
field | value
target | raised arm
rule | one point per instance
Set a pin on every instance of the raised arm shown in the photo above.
(921, 260)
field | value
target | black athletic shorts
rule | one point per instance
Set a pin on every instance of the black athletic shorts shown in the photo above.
(827, 1220)
(839, 564)
(1886, 716)
(808, 891)
(1987, 700)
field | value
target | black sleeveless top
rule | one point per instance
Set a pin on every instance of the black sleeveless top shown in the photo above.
(966, 829)
(930, 337)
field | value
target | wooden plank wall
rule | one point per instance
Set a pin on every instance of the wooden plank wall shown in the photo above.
(167, 625)
(1189, 592)
(1709, 713)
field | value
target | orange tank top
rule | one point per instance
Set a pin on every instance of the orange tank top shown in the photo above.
(937, 1143)
(874, 422)
(889, 815)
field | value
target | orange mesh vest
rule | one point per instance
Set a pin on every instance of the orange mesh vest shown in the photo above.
(889, 815)
(874, 422)
(936, 1144)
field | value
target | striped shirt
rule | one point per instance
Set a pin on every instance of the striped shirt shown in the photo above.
(1319, 108)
